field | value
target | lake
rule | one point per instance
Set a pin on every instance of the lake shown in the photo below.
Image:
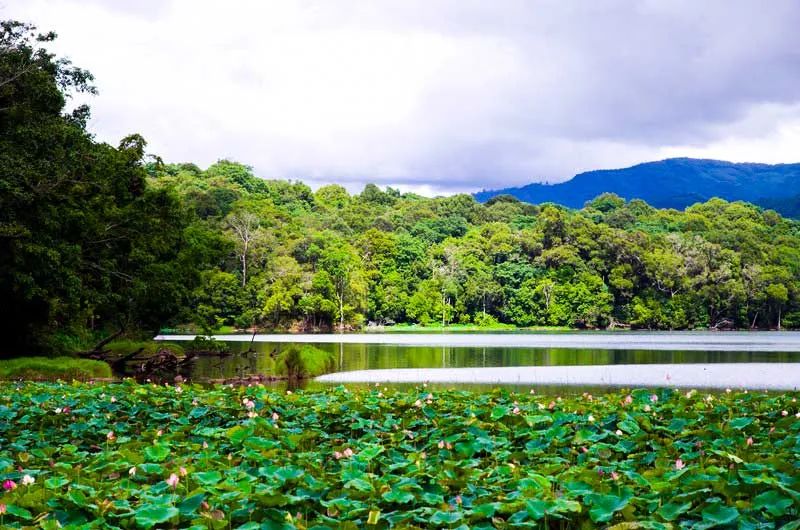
(582, 359)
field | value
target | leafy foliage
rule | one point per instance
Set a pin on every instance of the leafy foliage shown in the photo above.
(254, 458)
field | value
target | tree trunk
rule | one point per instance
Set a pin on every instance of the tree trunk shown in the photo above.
(443, 309)
(244, 266)
(341, 311)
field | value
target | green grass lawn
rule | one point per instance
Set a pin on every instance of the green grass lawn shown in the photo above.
(66, 368)
(130, 456)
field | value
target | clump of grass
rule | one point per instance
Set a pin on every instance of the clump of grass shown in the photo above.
(53, 368)
(298, 362)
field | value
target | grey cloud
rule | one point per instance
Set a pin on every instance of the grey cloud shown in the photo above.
(523, 90)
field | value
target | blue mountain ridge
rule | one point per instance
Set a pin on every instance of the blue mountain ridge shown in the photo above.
(673, 183)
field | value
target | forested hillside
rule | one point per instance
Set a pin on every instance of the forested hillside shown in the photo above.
(673, 183)
(95, 239)
(293, 258)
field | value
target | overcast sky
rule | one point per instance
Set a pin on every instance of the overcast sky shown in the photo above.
(437, 96)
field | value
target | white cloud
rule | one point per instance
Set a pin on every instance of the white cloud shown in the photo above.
(437, 96)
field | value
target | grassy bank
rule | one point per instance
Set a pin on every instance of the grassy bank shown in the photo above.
(465, 327)
(67, 368)
(145, 456)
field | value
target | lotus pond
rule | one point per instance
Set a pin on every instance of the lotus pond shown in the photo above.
(141, 456)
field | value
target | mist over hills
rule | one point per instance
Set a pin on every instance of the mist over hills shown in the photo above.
(673, 183)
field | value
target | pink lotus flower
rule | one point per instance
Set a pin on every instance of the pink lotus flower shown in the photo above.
(337, 455)
(132, 471)
(173, 481)
(679, 464)
(441, 444)
(2, 509)
(618, 433)
(110, 436)
(784, 413)
(615, 475)
(348, 452)
(182, 471)
(27, 480)
(628, 399)
(653, 398)
(458, 499)
(515, 411)
(249, 404)
(275, 416)
(205, 444)
(750, 440)
(9, 485)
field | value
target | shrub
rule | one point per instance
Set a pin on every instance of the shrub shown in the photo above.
(202, 344)
(304, 361)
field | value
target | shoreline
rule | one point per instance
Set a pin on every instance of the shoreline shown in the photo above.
(777, 341)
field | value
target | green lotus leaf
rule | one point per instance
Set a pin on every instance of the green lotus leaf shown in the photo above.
(499, 412)
(446, 518)
(772, 502)
(398, 496)
(673, 510)
(190, 505)
(157, 453)
(207, 478)
(358, 484)
(718, 514)
(740, 423)
(151, 515)
(605, 506)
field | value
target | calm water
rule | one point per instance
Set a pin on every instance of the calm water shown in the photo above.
(369, 352)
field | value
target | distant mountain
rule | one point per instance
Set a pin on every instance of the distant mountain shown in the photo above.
(673, 183)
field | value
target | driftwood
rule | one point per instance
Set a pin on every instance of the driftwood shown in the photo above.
(97, 352)
(723, 323)
(164, 366)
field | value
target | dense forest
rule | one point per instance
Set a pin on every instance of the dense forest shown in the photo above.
(293, 258)
(96, 238)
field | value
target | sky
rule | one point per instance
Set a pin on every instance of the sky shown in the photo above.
(437, 96)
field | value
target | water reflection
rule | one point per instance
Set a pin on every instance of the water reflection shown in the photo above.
(381, 356)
